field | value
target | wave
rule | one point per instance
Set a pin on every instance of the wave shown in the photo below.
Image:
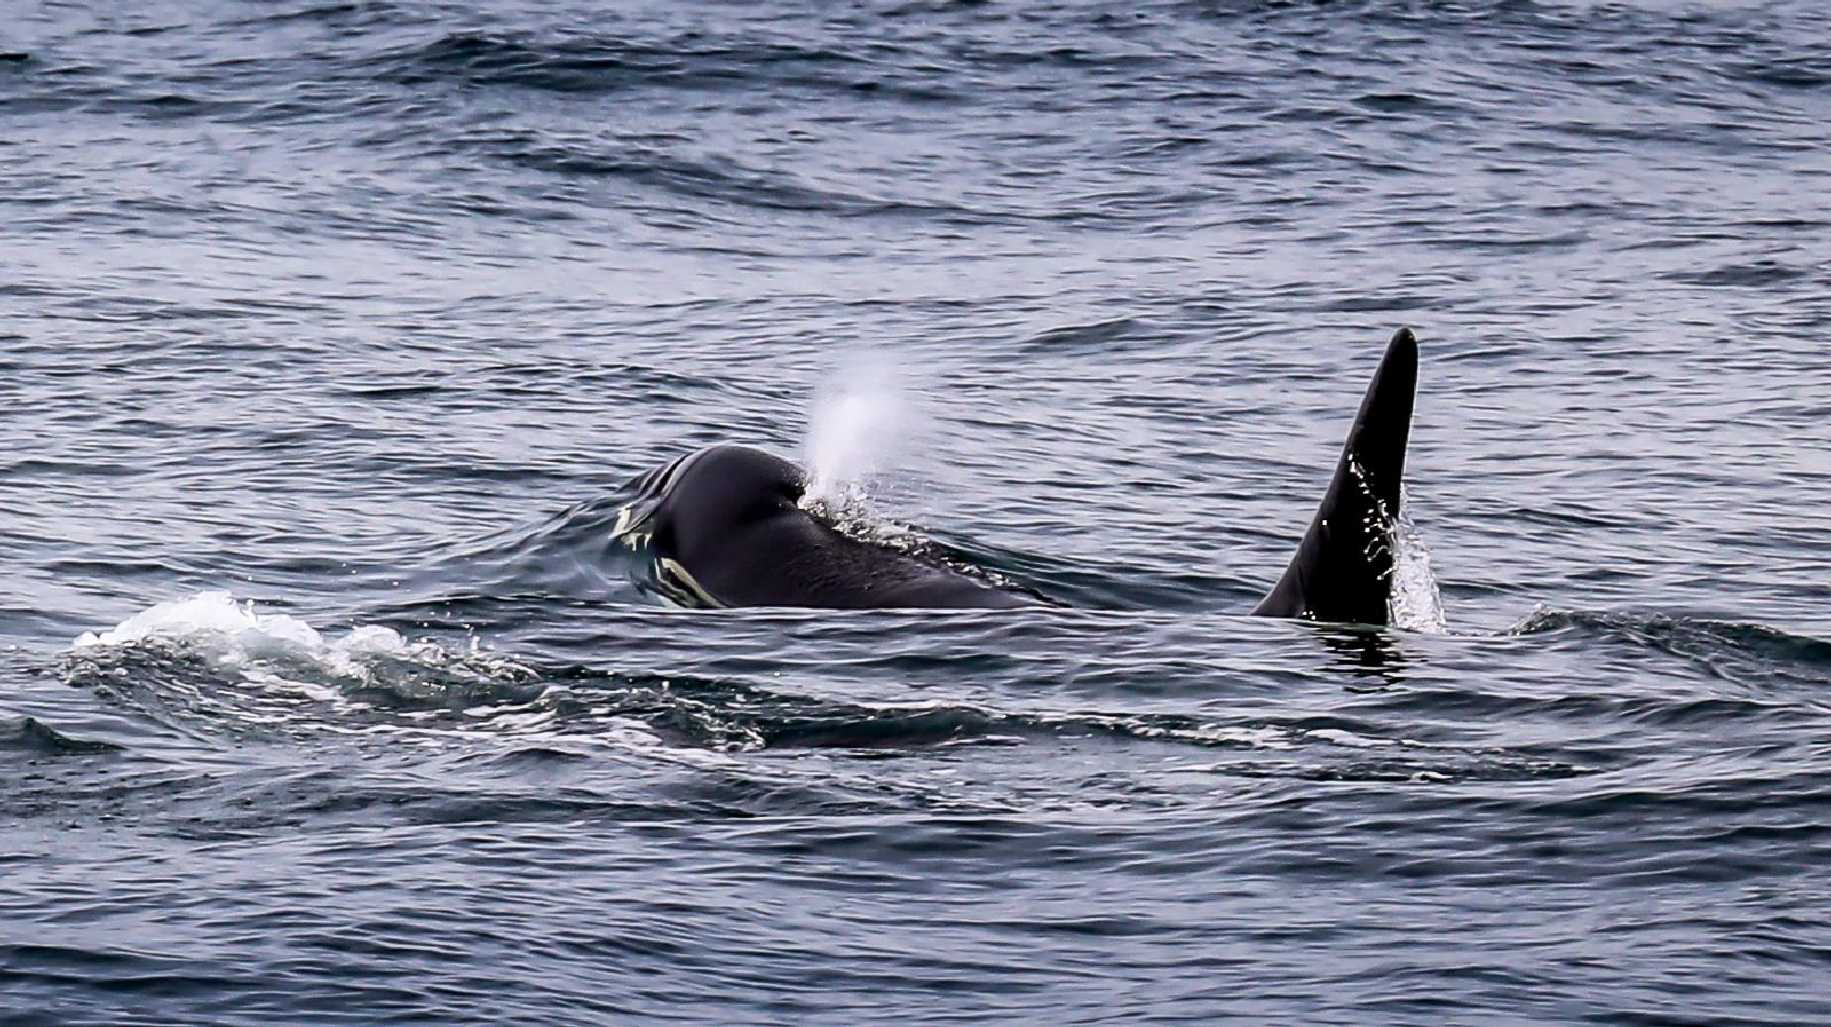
(698, 184)
(596, 63)
(1702, 639)
(225, 671)
(33, 738)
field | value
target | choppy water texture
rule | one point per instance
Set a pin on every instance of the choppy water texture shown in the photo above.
(330, 331)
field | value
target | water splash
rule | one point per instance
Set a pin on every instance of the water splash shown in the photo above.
(212, 667)
(1416, 603)
(861, 426)
(235, 634)
(276, 649)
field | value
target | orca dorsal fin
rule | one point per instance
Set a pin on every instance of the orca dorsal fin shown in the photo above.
(1343, 567)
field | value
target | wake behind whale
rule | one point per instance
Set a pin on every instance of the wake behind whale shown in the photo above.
(724, 526)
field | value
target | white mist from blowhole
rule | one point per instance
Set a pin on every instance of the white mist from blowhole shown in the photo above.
(863, 429)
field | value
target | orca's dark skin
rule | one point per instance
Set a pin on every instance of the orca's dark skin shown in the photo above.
(725, 529)
(1343, 567)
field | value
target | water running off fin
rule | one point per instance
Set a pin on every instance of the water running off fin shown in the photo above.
(1344, 566)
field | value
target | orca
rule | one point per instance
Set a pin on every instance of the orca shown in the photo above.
(1342, 571)
(723, 526)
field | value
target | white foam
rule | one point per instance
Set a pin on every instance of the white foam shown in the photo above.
(235, 634)
(206, 614)
(1337, 736)
(277, 671)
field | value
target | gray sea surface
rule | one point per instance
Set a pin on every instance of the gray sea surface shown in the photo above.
(331, 334)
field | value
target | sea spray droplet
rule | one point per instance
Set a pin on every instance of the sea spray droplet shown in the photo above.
(1416, 603)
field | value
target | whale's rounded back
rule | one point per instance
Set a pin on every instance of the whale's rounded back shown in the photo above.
(723, 527)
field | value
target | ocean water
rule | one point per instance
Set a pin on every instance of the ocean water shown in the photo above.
(330, 333)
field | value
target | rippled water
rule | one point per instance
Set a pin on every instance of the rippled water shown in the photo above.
(329, 333)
